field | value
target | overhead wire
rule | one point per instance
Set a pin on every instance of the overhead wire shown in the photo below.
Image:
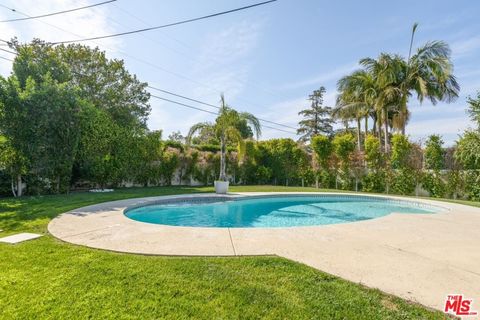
(53, 13)
(168, 24)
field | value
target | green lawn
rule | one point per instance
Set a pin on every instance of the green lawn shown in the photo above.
(46, 278)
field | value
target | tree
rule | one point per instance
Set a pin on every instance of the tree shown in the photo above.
(356, 100)
(103, 82)
(344, 146)
(322, 148)
(434, 153)
(474, 109)
(317, 119)
(429, 74)
(284, 157)
(468, 150)
(177, 137)
(401, 148)
(373, 153)
(226, 130)
(374, 180)
(42, 123)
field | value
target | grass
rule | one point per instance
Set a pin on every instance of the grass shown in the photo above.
(46, 278)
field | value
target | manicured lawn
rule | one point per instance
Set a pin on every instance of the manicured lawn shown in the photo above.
(47, 278)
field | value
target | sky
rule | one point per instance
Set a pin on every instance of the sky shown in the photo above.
(266, 60)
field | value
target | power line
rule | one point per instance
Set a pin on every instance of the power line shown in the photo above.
(190, 48)
(169, 24)
(6, 59)
(128, 55)
(214, 106)
(195, 100)
(212, 112)
(53, 13)
(8, 51)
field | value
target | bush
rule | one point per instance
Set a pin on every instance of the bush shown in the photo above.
(433, 183)
(472, 185)
(454, 186)
(403, 182)
(263, 175)
(374, 182)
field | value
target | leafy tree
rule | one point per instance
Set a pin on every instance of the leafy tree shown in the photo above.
(168, 165)
(401, 149)
(474, 109)
(176, 136)
(322, 147)
(102, 161)
(14, 164)
(344, 146)
(434, 153)
(104, 83)
(148, 151)
(42, 123)
(468, 150)
(317, 119)
(373, 153)
(226, 130)
(284, 157)
(374, 180)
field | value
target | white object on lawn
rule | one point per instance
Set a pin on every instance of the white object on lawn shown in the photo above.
(221, 187)
(20, 237)
(100, 190)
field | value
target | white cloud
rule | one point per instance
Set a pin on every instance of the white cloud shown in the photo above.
(465, 47)
(222, 65)
(449, 128)
(222, 62)
(322, 78)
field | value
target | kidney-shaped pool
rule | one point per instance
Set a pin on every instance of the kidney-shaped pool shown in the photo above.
(273, 211)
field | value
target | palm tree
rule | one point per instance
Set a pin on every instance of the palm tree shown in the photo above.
(429, 74)
(386, 93)
(356, 100)
(226, 129)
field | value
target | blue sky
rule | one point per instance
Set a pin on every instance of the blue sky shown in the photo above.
(268, 59)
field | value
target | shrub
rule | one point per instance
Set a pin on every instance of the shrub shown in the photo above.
(468, 150)
(403, 181)
(263, 175)
(374, 181)
(401, 148)
(433, 183)
(472, 185)
(434, 153)
(454, 186)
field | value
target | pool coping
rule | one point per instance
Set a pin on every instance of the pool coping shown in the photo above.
(367, 251)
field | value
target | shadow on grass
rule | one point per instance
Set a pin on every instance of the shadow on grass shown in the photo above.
(34, 212)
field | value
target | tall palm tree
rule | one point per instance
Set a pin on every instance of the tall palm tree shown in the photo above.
(356, 99)
(226, 129)
(385, 70)
(429, 74)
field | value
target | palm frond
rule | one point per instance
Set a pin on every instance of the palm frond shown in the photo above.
(196, 128)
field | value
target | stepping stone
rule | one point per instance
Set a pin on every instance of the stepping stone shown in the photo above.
(20, 237)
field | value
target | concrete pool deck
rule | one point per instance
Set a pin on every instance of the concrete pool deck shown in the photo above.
(420, 257)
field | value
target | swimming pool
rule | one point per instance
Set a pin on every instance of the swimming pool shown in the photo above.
(273, 211)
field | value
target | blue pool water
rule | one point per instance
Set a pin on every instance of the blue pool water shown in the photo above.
(268, 211)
